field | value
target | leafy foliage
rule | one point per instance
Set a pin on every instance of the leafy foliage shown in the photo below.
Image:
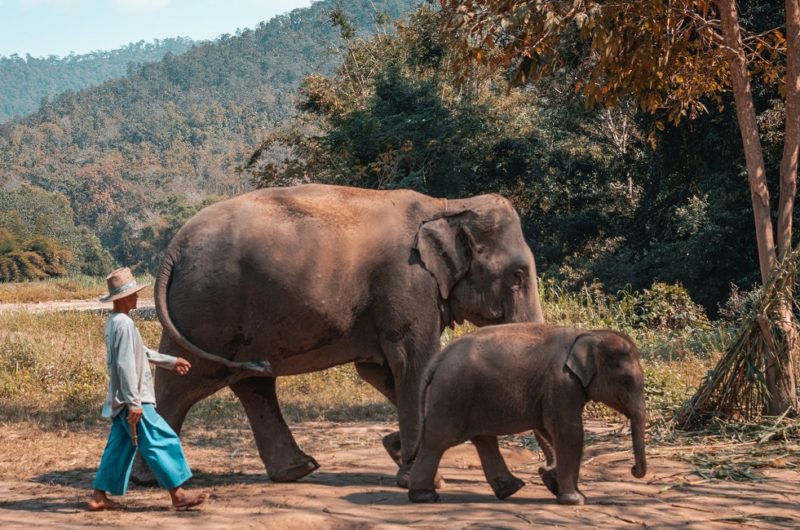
(664, 307)
(667, 56)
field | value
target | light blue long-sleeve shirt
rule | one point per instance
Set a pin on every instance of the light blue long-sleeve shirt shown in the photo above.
(130, 382)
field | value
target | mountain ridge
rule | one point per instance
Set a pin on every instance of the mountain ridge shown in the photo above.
(25, 81)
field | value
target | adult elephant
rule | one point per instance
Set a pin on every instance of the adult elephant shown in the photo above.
(314, 276)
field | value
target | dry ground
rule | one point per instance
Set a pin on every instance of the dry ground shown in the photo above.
(45, 476)
(144, 304)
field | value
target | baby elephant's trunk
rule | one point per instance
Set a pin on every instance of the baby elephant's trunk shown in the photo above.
(638, 420)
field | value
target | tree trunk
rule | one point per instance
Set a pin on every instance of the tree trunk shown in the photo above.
(789, 162)
(791, 141)
(779, 368)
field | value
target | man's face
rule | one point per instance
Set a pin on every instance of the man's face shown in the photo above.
(129, 302)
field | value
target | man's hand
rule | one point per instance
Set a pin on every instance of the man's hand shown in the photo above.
(182, 366)
(134, 415)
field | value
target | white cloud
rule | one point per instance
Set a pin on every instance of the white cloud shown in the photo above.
(141, 6)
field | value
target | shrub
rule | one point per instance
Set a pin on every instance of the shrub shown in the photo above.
(663, 307)
(83, 391)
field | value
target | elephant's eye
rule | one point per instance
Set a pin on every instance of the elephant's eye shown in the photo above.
(518, 279)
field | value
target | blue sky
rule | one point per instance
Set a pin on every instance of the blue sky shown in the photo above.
(57, 27)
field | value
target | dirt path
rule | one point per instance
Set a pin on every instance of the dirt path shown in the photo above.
(45, 477)
(144, 304)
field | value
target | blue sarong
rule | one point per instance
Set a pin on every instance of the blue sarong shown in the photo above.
(158, 444)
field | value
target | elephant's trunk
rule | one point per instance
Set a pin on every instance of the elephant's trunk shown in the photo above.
(536, 313)
(638, 421)
(525, 306)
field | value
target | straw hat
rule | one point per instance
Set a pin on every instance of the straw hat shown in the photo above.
(121, 283)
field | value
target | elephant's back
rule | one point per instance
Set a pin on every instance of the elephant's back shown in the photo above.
(311, 229)
(312, 210)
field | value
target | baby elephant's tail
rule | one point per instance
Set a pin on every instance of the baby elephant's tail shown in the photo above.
(425, 383)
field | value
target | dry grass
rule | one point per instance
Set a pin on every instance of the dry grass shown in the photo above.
(67, 288)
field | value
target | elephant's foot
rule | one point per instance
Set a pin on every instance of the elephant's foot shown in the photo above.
(391, 442)
(298, 469)
(506, 486)
(572, 498)
(423, 496)
(549, 479)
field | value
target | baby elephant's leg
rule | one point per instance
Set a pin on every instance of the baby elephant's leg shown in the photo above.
(497, 474)
(421, 483)
(569, 449)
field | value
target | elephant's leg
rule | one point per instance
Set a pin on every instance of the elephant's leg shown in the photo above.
(494, 466)
(407, 359)
(569, 450)
(380, 377)
(284, 460)
(548, 471)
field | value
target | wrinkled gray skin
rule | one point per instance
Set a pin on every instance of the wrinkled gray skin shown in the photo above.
(315, 276)
(517, 377)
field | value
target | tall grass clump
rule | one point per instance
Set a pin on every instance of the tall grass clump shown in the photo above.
(736, 388)
(52, 366)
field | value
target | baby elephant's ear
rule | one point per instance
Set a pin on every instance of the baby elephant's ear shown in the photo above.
(581, 361)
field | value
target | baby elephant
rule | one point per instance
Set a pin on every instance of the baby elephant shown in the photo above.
(516, 377)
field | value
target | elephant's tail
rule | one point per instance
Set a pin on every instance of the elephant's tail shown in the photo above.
(163, 281)
(425, 382)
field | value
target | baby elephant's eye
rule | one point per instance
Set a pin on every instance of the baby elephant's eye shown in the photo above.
(627, 382)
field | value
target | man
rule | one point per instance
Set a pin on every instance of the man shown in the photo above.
(131, 404)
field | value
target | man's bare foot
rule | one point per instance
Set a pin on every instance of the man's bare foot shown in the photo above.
(100, 501)
(182, 500)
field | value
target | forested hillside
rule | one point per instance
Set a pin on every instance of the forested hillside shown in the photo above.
(25, 81)
(135, 156)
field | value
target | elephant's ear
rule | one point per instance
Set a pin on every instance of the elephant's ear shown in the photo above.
(580, 359)
(444, 249)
